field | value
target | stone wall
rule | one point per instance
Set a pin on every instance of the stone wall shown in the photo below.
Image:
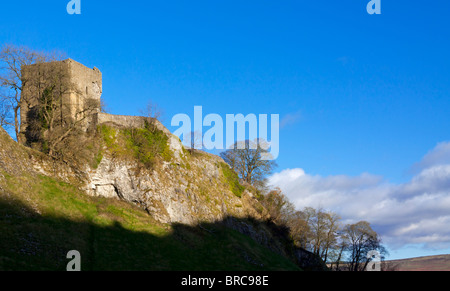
(87, 85)
(126, 121)
(119, 120)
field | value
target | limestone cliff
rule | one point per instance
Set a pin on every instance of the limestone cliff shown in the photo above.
(185, 188)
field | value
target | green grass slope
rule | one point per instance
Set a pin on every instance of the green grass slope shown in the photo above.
(42, 219)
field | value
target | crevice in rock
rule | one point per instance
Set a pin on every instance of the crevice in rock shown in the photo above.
(118, 193)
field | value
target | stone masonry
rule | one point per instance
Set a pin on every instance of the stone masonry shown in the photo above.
(76, 83)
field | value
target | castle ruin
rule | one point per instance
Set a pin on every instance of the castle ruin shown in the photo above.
(78, 90)
(75, 85)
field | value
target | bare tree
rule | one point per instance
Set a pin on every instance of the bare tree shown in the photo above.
(104, 108)
(360, 239)
(6, 119)
(12, 59)
(337, 253)
(319, 230)
(299, 229)
(279, 207)
(195, 141)
(322, 233)
(153, 113)
(331, 232)
(246, 159)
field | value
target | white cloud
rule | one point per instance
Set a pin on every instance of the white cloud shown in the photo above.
(290, 118)
(440, 155)
(416, 212)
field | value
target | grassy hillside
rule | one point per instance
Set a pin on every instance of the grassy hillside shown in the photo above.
(41, 219)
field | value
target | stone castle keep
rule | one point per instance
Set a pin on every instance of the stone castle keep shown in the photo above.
(78, 86)
(76, 83)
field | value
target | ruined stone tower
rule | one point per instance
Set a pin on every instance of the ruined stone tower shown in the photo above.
(75, 84)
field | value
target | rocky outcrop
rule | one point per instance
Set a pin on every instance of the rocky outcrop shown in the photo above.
(171, 193)
(187, 189)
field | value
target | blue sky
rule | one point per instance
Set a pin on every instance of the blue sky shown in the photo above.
(357, 93)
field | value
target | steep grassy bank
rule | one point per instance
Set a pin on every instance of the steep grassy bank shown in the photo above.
(41, 219)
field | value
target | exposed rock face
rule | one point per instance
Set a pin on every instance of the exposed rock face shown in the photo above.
(12, 157)
(187, 189)
(170, 194)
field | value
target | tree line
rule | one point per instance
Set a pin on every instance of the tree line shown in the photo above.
(341, 246)
(319, 231)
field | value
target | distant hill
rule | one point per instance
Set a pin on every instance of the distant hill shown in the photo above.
(429, 263)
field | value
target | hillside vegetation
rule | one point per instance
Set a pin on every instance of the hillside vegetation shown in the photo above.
(42, 218)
